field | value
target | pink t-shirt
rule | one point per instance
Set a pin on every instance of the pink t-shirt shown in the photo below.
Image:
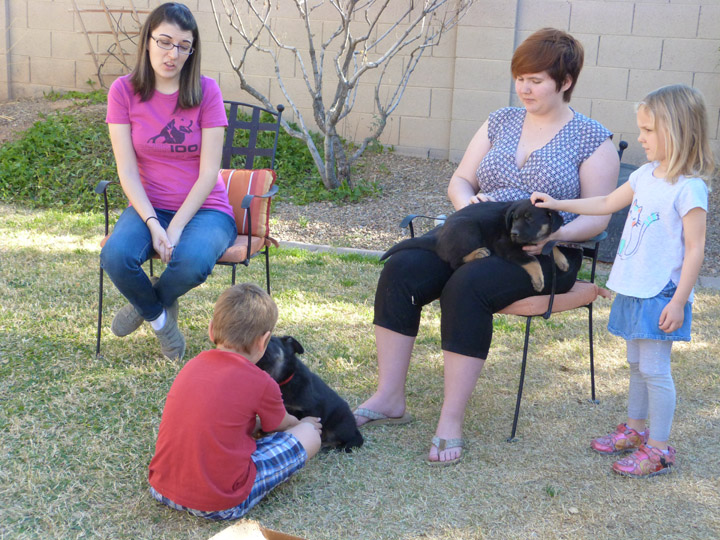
(167, 141)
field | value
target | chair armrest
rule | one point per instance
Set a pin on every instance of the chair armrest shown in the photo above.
(407, 222)
(592, 242)
(102, 185)
(245, 204)
(547, 250)
(590, 250)
(247, 199)
(548, 247)
(101, 189)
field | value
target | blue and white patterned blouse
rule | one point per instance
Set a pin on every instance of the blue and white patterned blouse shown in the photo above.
(553, 169)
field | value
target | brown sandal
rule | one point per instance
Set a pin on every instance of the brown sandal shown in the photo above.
(444, 444)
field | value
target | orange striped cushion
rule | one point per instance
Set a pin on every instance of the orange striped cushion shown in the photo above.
(241, 182)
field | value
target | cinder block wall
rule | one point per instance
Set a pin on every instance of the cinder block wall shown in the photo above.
(630, 49)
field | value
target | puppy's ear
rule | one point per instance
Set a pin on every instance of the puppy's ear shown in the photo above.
(294, 343)
(556, 220)
(509, 214)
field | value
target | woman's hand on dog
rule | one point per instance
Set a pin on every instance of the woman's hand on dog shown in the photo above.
(480, 197)
(536, 249)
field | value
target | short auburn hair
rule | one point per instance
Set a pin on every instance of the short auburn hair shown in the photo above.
(551, 50)
(242, 314)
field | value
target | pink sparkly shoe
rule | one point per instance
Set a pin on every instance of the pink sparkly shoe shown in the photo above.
(646, 462)
(623, 439)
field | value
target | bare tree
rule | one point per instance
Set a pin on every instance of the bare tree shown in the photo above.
(366, 38)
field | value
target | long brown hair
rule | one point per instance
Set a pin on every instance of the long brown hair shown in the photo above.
(143, 75)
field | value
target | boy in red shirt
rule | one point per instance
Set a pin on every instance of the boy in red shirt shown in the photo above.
(207, 461)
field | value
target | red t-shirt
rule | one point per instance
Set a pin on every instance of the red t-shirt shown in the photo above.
(202, 455)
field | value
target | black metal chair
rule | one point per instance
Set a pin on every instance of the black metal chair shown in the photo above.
(252, 133)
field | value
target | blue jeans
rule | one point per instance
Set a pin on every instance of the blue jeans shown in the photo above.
(204, 239)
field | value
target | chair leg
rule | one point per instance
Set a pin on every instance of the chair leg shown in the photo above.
(267, 268)
(522, 381)
(234, 266)
(592, 355)
(100, 306)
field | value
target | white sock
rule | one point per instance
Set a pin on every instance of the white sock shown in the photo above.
(158, 323)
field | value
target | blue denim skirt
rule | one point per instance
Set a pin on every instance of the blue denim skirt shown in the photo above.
(637, 318)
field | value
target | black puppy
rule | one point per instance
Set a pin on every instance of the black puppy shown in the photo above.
(499, 228)
(306, 394)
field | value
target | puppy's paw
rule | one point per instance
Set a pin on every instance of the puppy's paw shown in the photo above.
(536, 276)
(538, 282)
(560, 260)
(479, 253)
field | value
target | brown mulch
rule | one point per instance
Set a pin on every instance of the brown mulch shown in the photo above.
(409, 185)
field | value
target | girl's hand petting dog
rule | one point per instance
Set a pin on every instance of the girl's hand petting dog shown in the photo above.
(543, 200)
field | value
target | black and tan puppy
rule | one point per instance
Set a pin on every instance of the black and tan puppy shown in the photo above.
(497, 228)
(306, 394)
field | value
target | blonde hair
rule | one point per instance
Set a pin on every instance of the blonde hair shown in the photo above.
(679, 111)
(242, 314)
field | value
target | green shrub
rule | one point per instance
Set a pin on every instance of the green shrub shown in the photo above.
(94, 97)
(58, 162)
(60, 159)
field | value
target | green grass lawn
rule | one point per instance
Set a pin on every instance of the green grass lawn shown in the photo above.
(77, 431)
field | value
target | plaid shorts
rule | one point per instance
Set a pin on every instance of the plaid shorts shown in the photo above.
(277, 458)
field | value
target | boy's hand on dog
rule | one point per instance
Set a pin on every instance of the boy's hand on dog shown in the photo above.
(313, 421)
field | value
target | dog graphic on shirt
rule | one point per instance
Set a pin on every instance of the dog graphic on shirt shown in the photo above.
(172, 134)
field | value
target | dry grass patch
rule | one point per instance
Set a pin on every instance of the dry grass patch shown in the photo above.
(78, 431)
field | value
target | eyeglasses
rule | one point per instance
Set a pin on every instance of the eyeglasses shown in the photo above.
(168, 46)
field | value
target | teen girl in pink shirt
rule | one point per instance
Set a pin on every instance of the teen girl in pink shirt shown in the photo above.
(166, 125)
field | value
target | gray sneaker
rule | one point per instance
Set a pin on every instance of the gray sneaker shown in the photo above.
(172, 342)
(127, 320)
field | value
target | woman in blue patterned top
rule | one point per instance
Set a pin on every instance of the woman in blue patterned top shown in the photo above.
(543, 146)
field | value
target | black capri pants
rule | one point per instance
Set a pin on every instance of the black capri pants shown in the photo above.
(468, 296)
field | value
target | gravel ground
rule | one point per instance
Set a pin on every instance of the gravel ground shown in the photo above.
(409, 185)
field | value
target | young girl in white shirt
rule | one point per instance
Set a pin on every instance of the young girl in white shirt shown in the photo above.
(656, 267)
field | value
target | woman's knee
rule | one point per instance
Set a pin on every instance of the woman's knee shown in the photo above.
(417, 275)
(191, 272)
(119, 257)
